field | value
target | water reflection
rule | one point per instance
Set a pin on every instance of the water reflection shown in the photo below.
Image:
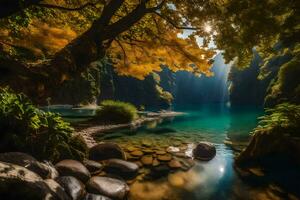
(215, 179)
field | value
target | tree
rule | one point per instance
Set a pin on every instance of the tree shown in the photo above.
(140, 35)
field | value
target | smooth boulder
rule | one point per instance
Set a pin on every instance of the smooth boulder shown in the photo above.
(204, 151)
(89, 196)
(44, 169)
(105, 151)
(110, 187)
(73, 168)
(93, 166)
(72, 186)
(17, 182)
(125, 169)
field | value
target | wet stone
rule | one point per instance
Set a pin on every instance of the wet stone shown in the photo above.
(174, 164)
(147, 143)
(147, 160)
(132, 148)
(160, 152)
(180, 154)
(122, 168)
(165, 157)
(139, 163)
(155, 162)
(137, 153)
(147, 151)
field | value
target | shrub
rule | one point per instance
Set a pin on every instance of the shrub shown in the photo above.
(284, 117)
(116, 112)
(45, 135)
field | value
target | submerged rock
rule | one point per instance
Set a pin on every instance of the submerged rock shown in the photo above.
(17, 182)
(137, 153)
(89, 196)
(159, 171)
(45, 170)
(204, 151)
(147, 160)
(110, 187)
(165, 157)
(105, 151)
(73, 168)
(72, 186)
(93, 166)
(125, 169)
(174, 164)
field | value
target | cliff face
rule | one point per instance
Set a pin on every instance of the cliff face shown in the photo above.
(253, 85)
(101, 82)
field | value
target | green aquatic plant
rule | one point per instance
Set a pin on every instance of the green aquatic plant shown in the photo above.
(26, 128)
(116, 112)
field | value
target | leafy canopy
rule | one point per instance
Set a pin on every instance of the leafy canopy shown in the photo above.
(235, 26)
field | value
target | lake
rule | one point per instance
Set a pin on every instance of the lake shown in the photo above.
(215, 179)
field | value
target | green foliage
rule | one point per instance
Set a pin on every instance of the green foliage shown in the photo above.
(287, 85)
(45, 135)
(116, 112)
(283, 119)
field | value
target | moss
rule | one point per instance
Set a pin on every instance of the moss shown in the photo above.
(116, 112)
(45, 135)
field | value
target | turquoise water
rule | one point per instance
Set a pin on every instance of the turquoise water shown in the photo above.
(215, 179)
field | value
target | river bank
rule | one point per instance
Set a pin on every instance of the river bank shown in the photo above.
(88, 130)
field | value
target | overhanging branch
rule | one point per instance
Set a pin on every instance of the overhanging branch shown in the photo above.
(167, 19)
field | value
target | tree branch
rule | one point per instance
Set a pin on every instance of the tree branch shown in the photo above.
(170, 21)
(159, 6)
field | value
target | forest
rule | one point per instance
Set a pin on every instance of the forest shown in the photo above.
(149, 99)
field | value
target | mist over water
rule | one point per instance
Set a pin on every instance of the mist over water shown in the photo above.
(190, 89)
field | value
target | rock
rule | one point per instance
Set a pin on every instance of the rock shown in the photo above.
(180, 154)
(17, 158)
(73, 168)
(139, 163)
(57, 189)
(110, 187)
(72, 186)
(147, 151)
(174, 164)
(165, 157)
(172, 149)
(160, 171)
(125, 169)
(155, 162)
(93, 166)
(187, 164)
(175, 180)
(146, 142)
(147, 160)
(204, 151)
(137, 153)
(28, 184)
(160, 152)
(89, 196)
(45, 170)
(132, 148)
(105, 151)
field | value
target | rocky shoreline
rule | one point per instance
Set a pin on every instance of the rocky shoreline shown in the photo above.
(88, 131)
(106, 174)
